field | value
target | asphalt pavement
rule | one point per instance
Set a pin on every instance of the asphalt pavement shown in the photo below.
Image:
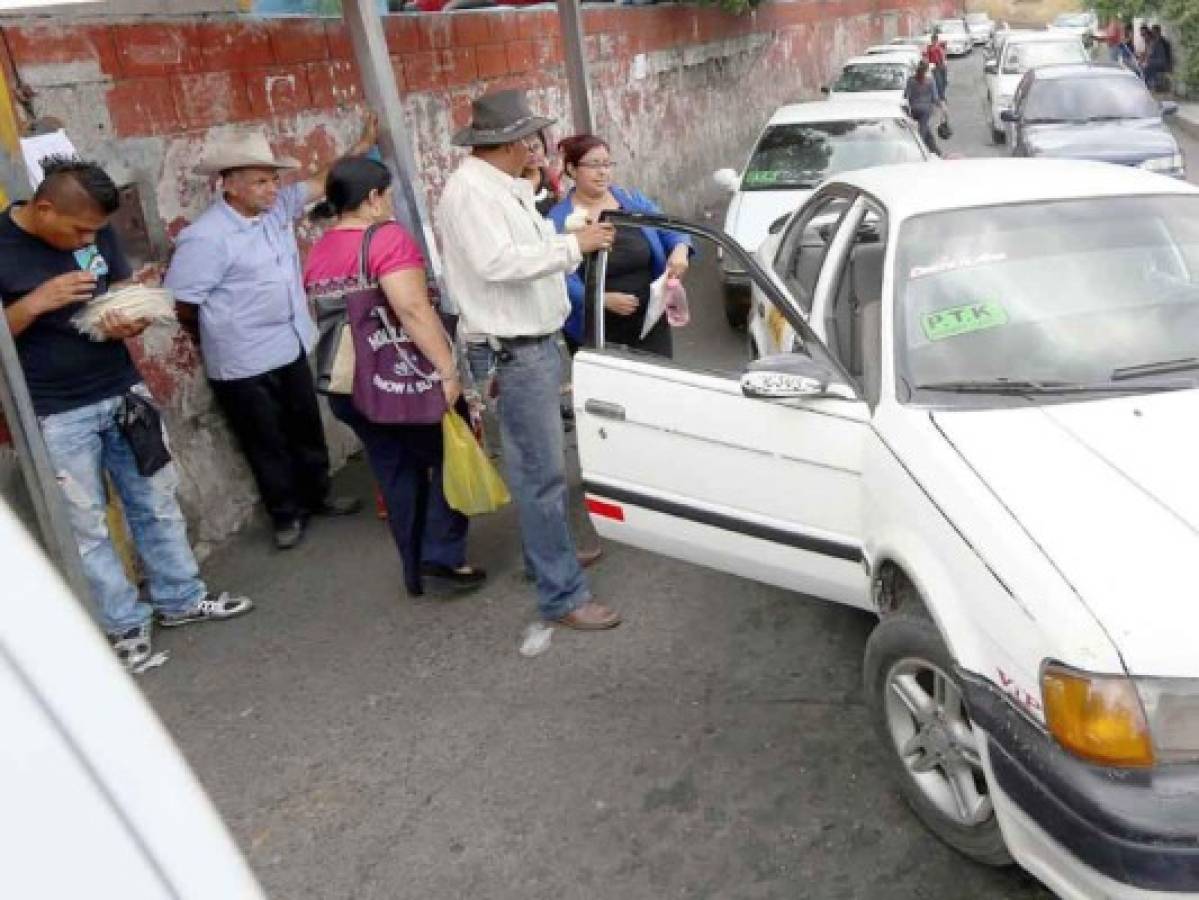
(364, 745)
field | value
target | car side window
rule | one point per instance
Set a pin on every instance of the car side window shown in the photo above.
(803, 248)
(852, 315)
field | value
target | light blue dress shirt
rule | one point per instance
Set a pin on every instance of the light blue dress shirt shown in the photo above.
(244, 275)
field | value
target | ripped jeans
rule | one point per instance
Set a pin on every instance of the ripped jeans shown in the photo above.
(84, 444)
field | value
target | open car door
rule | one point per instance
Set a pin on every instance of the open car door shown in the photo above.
(714, 465)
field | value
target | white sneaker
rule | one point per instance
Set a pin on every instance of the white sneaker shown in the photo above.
(226, 606)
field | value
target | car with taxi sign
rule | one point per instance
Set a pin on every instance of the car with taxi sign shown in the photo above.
(982, 433)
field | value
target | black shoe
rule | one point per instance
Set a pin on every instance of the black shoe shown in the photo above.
(452, 578)
(289, 534)
(338, 506)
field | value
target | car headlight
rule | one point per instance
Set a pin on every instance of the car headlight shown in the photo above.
(1119, 721)
(1163, 163)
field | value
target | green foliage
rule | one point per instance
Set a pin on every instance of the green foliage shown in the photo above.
(1182, 14)
(736, 7)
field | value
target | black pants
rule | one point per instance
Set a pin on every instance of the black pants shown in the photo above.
(278, 424)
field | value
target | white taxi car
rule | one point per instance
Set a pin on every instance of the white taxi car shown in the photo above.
(986, 437)
(878, 76)
(1021, 51)
(98, 802)
(802, 144)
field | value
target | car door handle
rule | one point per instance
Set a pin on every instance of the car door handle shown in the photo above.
(605, 410)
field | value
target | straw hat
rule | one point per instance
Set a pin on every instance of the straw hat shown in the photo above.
(243, 151)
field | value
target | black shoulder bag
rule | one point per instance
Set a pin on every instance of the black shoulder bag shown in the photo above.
(141, 425)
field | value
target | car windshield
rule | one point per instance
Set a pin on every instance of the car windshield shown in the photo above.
(1088, 99)
(798, 156)
(880, 77)
(952, 26)
(1097, 292)
(1028, 55)
(1072, 20)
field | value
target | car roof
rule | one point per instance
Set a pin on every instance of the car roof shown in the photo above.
(1082, 70)
(1040, 37)
(913, 189)
(880, 59)
(840, 110)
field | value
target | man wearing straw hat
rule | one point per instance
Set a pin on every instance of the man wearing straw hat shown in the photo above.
(236, 274)
(505, 268)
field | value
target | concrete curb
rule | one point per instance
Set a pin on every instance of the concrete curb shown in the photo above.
(1187, 120)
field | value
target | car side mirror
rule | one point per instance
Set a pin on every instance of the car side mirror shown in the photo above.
(788, 376)
(1009, 115)
(991, 67)
(1169, 107)
(728, 180)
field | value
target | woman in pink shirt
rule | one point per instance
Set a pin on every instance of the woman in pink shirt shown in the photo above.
(406, 459)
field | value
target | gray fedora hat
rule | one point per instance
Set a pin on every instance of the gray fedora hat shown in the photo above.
(500, 118)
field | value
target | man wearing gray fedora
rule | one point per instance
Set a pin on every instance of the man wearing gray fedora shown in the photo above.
(237, 282)
(505, 269)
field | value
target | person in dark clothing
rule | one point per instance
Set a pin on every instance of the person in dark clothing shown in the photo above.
(923, 97)
(638, 257)
(1159, 59)
(57, 252)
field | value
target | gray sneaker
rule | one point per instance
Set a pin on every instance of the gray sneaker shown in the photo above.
(210, 609)
(133, 647)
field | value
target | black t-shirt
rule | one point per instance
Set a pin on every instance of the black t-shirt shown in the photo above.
(64, 369)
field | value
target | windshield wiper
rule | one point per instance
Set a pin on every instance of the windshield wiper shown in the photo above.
(1018, 386)
(1105, 118)
(1160, 367)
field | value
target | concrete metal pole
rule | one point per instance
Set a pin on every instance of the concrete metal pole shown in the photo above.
(378, 79)
(578, 78)
(38, 474)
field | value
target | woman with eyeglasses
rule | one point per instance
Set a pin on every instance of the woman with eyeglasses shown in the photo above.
(638, 258)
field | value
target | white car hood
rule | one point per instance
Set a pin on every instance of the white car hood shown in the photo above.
(752, 213)
(1109, 490)
(895, 97)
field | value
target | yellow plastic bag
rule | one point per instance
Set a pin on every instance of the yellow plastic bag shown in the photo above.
(472, 485)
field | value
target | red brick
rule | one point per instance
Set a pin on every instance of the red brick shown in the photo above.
(547, 53)
(505, 27)
(422, 71)
(458, 66)
(597, 20)
(339, 41)
(397, 68)
(278, 91)
(154, 49)
(334, 84)
(403, 34)
(470, 29)
(491, 60)
(520, 56)
(143, 106)
(227, 45)
(35, 45)
(212, 98)
(437, 32)
(298, 42)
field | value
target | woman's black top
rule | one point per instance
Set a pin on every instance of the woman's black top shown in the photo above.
(629, 272)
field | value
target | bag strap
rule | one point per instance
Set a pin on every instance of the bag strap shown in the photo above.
(364, 255)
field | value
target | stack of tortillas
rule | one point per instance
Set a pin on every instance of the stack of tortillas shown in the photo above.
(130, 303)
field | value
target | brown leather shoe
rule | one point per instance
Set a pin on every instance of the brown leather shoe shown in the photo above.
(588, 558)
(591, 616)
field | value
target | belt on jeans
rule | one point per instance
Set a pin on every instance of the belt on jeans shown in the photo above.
(497, 342)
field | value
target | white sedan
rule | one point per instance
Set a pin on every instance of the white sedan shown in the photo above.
(802, 144)
(985, 436)
(956, 36)
(879, 76)
(981, 27)
(1021, 51)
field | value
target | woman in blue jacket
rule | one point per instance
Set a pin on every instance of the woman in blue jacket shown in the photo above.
(637, 259)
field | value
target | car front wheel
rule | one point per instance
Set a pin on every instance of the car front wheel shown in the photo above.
(929, 739)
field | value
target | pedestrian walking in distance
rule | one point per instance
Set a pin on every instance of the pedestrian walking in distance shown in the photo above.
(505, 265)
(236, 273)
(57, 252)
(923, 97)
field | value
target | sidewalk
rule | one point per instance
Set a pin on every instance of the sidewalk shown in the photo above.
(1187, 119)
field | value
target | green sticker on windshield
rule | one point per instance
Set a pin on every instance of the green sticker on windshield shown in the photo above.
(947, 323)
(762, 177)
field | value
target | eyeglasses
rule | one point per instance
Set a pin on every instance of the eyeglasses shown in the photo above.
(597, 165)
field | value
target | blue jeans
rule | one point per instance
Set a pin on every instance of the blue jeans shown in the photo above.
(84, 444)
(534, 459)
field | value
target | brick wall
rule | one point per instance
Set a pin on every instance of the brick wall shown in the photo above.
(678, 90)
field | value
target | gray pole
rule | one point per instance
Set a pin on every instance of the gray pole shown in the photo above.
(577, 77)
(374, 64)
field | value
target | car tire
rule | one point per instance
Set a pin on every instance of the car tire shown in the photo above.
(906, 648)
(998, 137)
(736, 307)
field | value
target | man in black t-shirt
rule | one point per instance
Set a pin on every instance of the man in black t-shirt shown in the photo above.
(56, 253)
